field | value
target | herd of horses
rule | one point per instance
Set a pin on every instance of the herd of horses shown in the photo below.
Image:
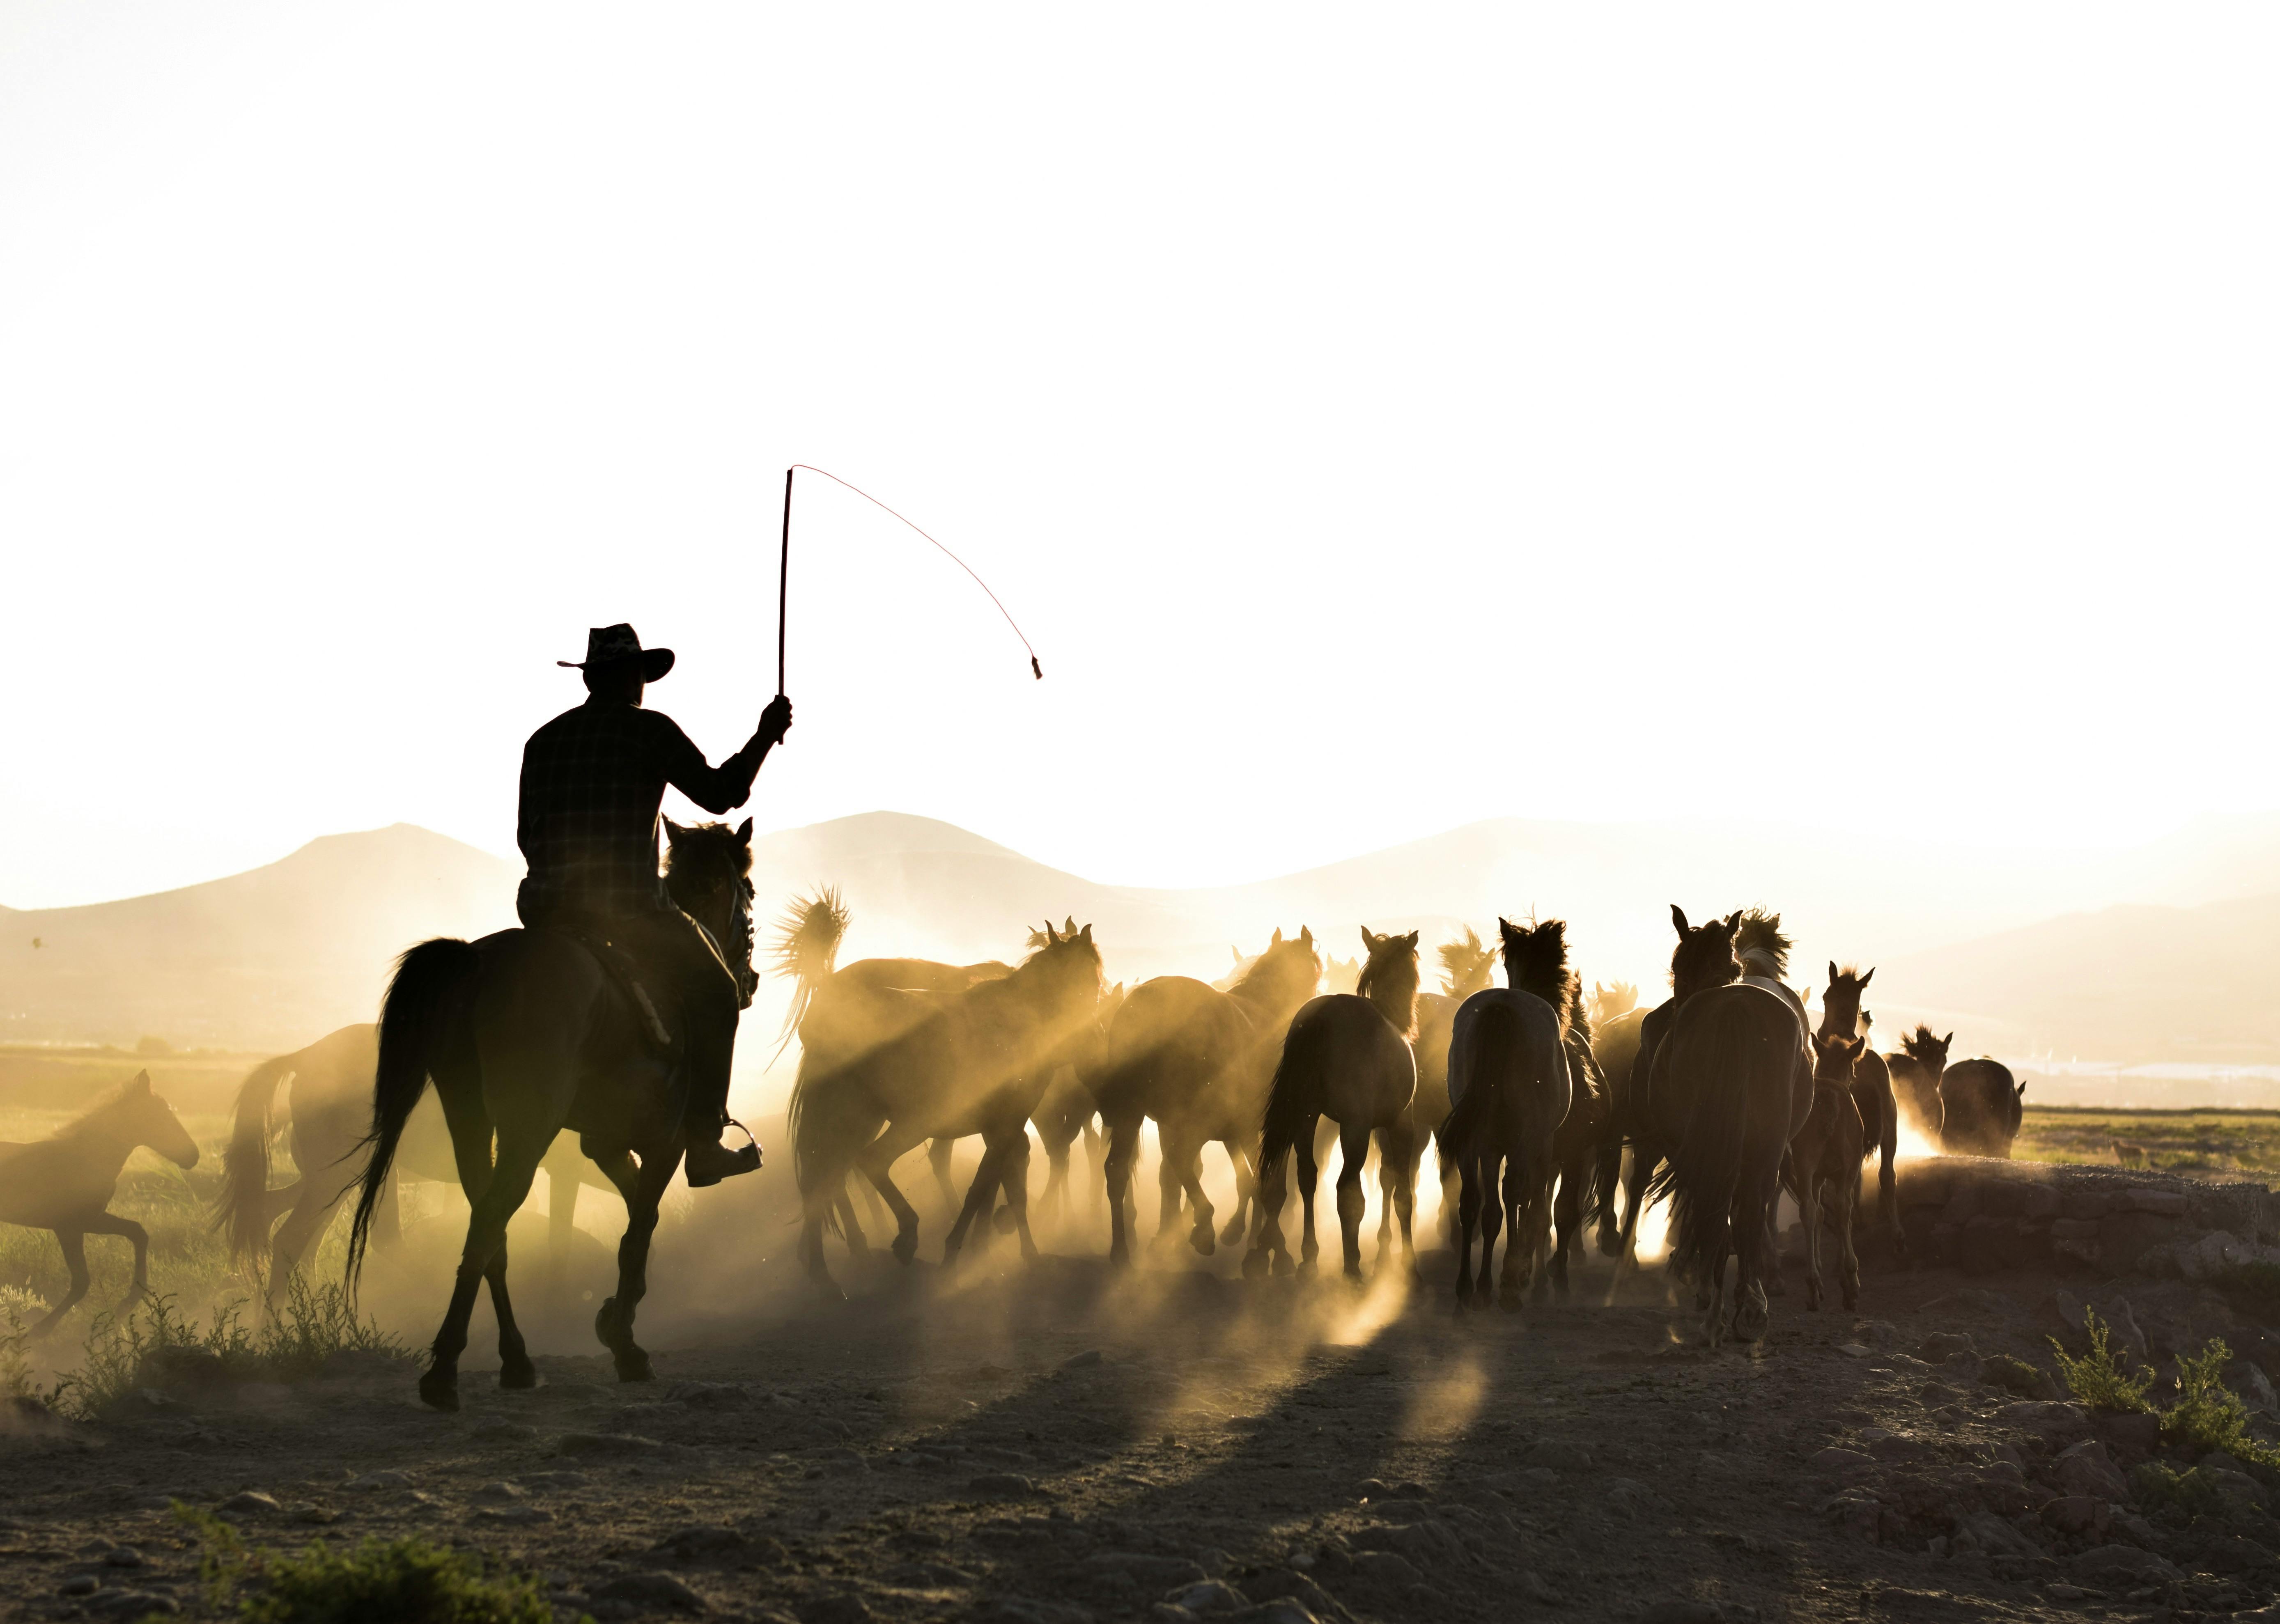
(1551, 1111)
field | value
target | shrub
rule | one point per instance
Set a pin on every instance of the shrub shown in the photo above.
(2015, 1376)
(123, 1355)
(2208, 1415)
(405, 1581)
(2158, 1487)
(2097, 1377)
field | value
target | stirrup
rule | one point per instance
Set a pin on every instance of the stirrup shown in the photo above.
(721, 1162)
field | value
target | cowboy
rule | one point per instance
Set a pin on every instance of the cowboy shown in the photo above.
(593, 784)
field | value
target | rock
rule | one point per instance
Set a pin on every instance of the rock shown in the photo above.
(1632, 1498)
(2121, 1568)
(132, 1604)
(2249, 1380)
(706, 1542)
(503, 1432)
(1557, 1455)
(2238, 1489)
(2085, 1469)
(650, 1590)
(607, 1445)
(841, 1461)
(518, 1515)
(1281, 1612)
(552, 1481)
(1211, 1595)
(1837, 1460)
(252, 1503)
(1086, 1360)
(499, 1493)
(80, 1584)
(1679, 1609)
(1936, 1347)
(2229, 1553)
(708, 1395)
(2075, 1513)
(2139, 1434)
(1386, 1568)
(833, 1608)
(1539, 1477)
(1027, 1610)
(2046, 1417)
(123, 1555)
(1000, 1482)
(1151, 1572)
(1852, 1349)
(372, 1482)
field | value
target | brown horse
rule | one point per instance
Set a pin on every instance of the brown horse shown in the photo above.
(1981, 1108)
(65, 1181)
(1510, 1076)
(1199, 1062)
(1346, 1056)
(1467, 968)
(1704, 952)
(1842, 1016)
(1915, 1079)
(1821, 1169)
(1611, 1001)
(977, 1063)
(327, 1109)
(1617, 1026)
(1732, 1077)
(525, 1034)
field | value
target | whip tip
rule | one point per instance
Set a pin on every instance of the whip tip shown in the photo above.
(1036, 670)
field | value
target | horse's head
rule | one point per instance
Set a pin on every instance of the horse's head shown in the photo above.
(1388, 977)
(708, 873)
(1066, 965)
(145, 1118)
(1284, 975)
(1840, 1005)
(1341, 974)
(1928, 1052)
(1833, 1055)
(1466, 966)
(1612, 1000)
(1705, 954)
(1760, 944)
(1536, 958)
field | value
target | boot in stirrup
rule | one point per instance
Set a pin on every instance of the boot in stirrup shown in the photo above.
(706, 1164)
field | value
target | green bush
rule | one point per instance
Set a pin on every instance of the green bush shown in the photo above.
(2158, 1487)
(2208, 1415)
(2015, 1376)
(379, 1582)
(2097, 1377)
(123, 1355)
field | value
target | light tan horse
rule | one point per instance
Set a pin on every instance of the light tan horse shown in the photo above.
(65, 1181)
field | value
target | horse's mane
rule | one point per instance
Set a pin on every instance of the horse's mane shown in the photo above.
(1706, 953)
(1759, 933)
(108, 1101)
(1465, 966)
(1389, 981)
(1536, 961)
(1615, 998)
(1922, 1039)
(1263, 975)
(733, 842)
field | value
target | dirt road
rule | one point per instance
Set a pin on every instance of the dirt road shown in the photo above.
(1057, 1443)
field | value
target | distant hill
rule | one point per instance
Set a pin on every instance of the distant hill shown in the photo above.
(276, 957)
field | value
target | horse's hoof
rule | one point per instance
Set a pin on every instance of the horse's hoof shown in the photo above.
(1257, 1265)
(1288, 1270)
(1233, 1233)
(1120, 1259)
(439, 1389)
(1002, 1220)
(1776, 1286)
(518, 1374)
(906, 1248)
(633, 1365)
(1203, 1240)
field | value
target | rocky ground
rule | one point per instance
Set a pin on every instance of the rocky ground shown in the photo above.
(1056, 1443)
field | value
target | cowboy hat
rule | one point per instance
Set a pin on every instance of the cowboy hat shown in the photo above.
(608, 645)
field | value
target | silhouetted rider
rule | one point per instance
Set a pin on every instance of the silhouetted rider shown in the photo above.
(593, 781)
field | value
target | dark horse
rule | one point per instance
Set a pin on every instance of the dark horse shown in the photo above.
(1981, 1108)
(977, 1062)
(1509, 1080)
(65, 1181)
(1703, 951)
(1616, 1023)
(1842, 1017)
(1200, 1061)
(1346, 1058)
(1732, 1085)
(525, 1033)
(1915, 1079)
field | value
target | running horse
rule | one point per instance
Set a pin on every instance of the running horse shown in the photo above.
(65, 1183)
(526, 1033)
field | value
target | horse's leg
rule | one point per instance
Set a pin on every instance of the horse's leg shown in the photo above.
(1522, 1263)
(1013, 1178)
(1246, 1190)
(1808, 1192)
(644, 1188)
(1847, 1205)
(1116, 1179)
(138, 1237)
(877, 1160)
(1353, 1150)
(851, 1228)
(494, 1194)
(1201, 1236)
(516, 1372)
(1175, 1152)
(1407, 1143)
(1310, 1173)
(1568, 1221)
(303, 1225)
(938, 1155)
(1489, 1173)
(1468, 1218)
(73, 1244)
(561, 1221)
(1775, 1284)
(980, 1195)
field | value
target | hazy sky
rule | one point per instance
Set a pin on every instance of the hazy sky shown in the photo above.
(1378, 418)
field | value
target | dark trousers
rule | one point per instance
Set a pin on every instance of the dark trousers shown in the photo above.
(694, 990)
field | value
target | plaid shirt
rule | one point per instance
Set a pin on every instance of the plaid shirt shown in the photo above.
(593, 780)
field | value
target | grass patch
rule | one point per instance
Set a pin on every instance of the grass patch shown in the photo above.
(154, 1345)
(407, 1580)
(2097, 1380)
(2205, 1140)
(2208, 1415)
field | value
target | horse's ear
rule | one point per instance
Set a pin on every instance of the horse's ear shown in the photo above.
(1944, 1041)
(1305, 937)
(1411, 938)
(1069, 928)
(1084, 936)
(141, 1085)
(1869, 977)
(1276, 939)
(1368, 941)
(672, 831)
(745, 834)
(1234, 954)
(1832, 973)
(1677, 917)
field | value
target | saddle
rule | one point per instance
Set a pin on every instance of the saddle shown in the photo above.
(619, 966)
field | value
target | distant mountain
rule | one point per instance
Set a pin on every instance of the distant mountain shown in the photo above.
(277, 957)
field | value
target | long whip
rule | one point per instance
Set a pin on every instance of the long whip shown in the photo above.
(784, 571)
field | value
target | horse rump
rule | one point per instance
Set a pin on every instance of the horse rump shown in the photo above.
(411, 1018)
(1727, 1122)
(242, 1205)
(1296, 1094)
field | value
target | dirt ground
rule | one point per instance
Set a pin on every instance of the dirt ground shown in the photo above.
(1048, 1444)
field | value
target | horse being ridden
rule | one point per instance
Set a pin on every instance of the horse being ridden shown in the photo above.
(525, 1034)
(1733, 1078)
(977, 1063)
(1346, 1056)
(327, 1109)
(1510, 1081)
(64, 1181)
(1199, 1062)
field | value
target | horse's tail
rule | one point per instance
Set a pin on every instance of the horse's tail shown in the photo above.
(1489, 1060)
(425, 979)
(808, 935)
(1705, 1164)
(242, 1206)
(1296, 1093)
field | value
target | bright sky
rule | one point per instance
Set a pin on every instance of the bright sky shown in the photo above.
(1379, 419)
